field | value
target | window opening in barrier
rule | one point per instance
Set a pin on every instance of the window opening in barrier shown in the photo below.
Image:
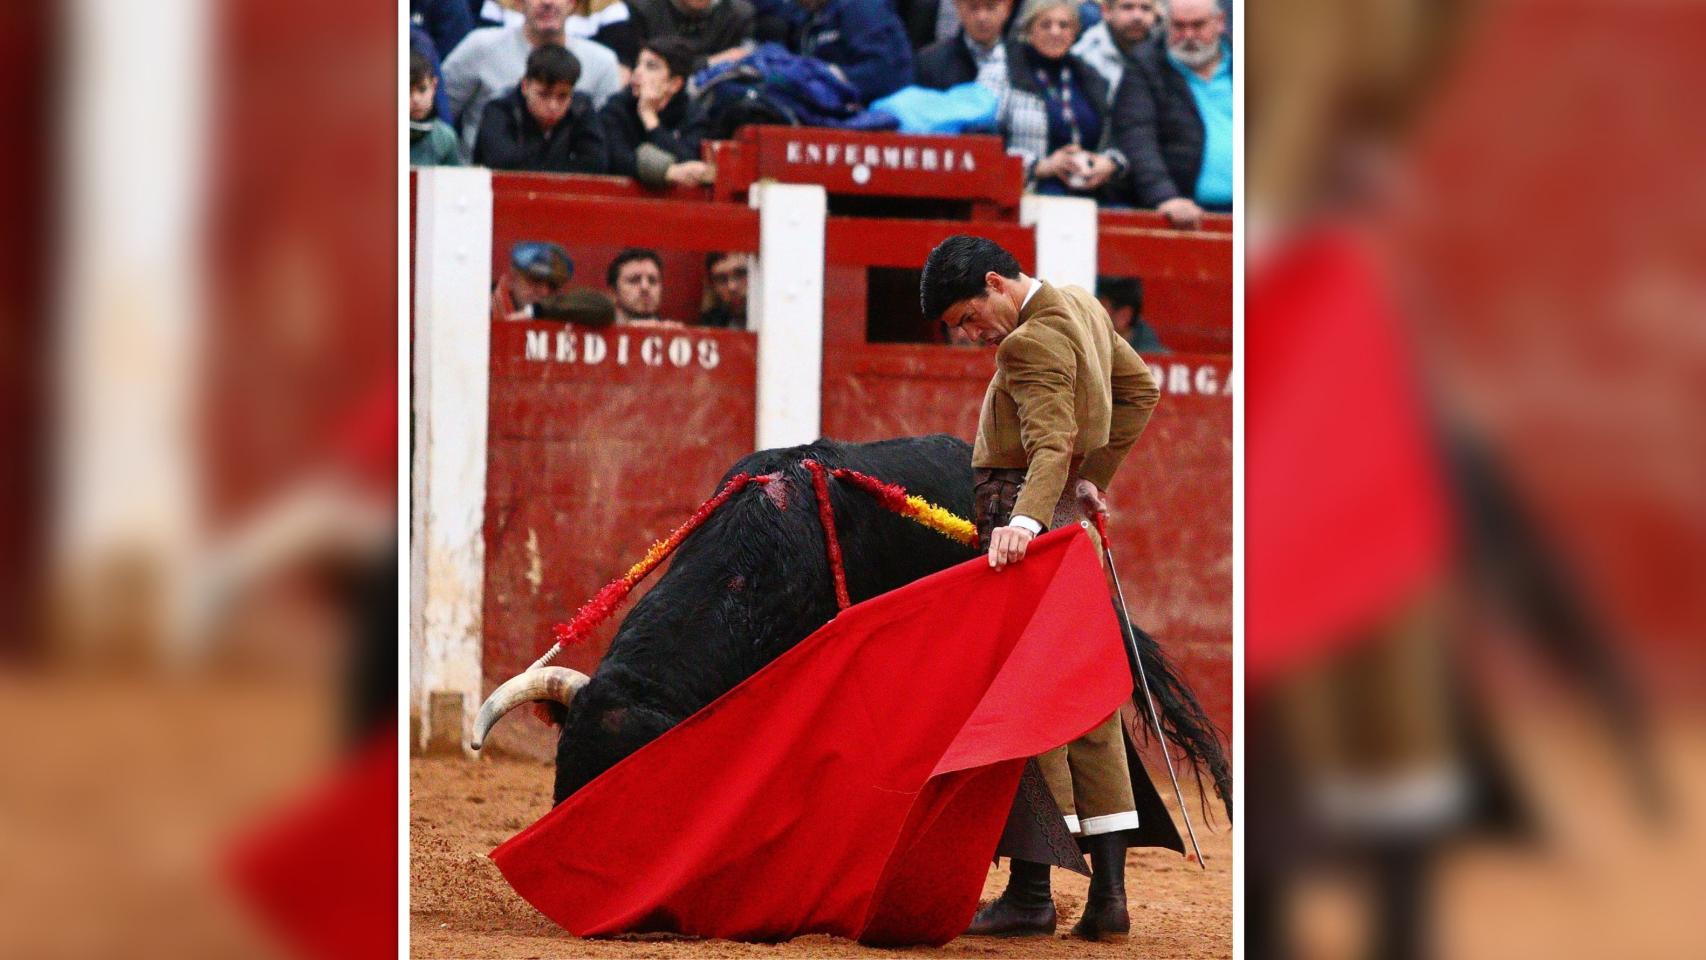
(892, 314)
(1122, 297)
(899, 208)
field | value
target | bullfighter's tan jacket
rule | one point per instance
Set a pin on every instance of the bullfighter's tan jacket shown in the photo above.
(1066, 388)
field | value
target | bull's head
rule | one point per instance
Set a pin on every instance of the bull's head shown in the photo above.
(548, 684)
(601, 722)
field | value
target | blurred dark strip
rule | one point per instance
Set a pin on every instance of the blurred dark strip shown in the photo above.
(28, 238)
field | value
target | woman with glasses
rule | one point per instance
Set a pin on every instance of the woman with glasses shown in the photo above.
(1053, 109)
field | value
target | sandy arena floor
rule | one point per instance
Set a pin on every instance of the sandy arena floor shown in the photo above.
(460, 905)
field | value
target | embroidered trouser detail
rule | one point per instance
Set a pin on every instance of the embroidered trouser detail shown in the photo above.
(1091, 782)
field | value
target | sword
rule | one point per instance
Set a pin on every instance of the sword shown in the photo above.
(1143, 679)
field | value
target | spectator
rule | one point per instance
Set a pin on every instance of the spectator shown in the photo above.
(654, 111)
(431, 141)
(1173, 117)
(716, 30)
(928, 21)
(958, 59)
(489, 62)
(636, 279)
(1111, 46)
(536, 271)
(605, 22)
(533, 288)
(445, 21)
(543, 124)
(422, 43)
(778, 21)
(1053, 105)
(610, 24)
(727, 273)
(863, 40)
(1122, 297)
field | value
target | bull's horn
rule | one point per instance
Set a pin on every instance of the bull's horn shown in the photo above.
(559, 684)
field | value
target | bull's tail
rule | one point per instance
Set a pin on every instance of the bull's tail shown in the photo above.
(1182, 719)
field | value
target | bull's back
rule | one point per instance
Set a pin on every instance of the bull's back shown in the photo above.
(936, 467)
(883, 551)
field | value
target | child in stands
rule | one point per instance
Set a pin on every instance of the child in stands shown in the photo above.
(543, 124)
(431, 141)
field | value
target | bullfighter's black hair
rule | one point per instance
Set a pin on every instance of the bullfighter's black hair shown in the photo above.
(956, 269)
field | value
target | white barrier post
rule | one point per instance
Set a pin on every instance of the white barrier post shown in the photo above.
(1066, 238)
(786, 300)
(128, 339)
(452, 343)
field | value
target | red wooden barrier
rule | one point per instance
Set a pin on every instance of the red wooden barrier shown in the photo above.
(594, 228)
(1187, 277)
(846, 162)
(601, 441)
(1150, 220)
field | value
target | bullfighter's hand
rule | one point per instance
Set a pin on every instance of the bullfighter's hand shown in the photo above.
(1007, 545)
(1090, 498)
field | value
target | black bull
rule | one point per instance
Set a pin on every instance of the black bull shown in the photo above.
(754, 580)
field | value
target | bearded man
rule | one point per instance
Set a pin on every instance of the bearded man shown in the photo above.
(1173, 116)
(1112, 45)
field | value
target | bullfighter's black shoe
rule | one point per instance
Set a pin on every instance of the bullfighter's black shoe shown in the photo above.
(1025, 908)
(1105, 914)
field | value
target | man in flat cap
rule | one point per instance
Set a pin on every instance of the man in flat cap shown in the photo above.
(534, 288)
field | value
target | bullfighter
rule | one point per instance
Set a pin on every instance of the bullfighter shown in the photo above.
(1068, 400)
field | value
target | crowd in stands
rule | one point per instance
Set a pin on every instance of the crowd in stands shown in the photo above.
(1126, 101)
(535, 286)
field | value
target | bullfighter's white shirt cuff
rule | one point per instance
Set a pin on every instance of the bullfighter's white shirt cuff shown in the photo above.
(1023, 521)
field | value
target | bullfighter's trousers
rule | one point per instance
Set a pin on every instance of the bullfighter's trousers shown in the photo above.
(1088, 777)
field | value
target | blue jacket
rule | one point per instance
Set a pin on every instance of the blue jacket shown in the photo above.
(445, 21)
(800, 88)
(866, 40)
(773, 85)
